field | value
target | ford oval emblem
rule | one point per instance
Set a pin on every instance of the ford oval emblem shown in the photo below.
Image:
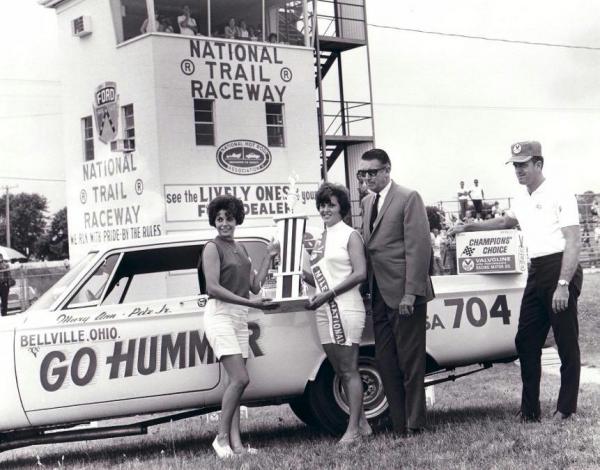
(243, 157)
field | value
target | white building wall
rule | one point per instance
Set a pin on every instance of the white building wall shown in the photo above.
(149, 73)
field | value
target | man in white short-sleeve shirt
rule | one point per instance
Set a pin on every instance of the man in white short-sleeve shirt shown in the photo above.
(549, 219)
(476, 195)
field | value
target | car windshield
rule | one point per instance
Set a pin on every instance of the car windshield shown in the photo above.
(48, 298)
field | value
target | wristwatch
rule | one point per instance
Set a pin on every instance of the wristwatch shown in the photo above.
(563, 282)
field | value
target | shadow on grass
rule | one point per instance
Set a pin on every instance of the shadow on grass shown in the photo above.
(156, 446)
(467, 414)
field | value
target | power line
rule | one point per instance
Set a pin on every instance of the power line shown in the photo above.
(28, 80)
(31, 179)
(485, 38)
(501, 108)
(24, 116)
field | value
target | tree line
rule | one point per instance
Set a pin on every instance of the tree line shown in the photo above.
(32, 231)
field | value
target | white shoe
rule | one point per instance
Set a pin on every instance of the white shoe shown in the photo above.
(246, 450)
(223, 452)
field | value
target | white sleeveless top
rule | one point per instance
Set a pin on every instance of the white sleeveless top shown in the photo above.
(337, 259)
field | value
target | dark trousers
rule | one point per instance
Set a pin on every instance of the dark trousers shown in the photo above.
(464, 204)
(478, 206)
(4, 288)
(400, 355)
(535, 320)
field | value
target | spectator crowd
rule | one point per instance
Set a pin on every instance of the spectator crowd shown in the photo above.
(186, 23)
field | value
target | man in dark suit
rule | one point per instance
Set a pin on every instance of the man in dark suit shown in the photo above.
(396, 234)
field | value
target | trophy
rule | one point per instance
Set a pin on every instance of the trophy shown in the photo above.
(290, 233)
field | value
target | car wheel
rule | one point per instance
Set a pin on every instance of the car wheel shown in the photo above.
(328, 401)
(301, 408)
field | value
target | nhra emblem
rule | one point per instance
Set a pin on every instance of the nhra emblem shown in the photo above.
(516, 149)
(106, 111)
(468, 265)
(243, 157)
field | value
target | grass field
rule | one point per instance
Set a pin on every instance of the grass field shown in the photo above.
(471, 426)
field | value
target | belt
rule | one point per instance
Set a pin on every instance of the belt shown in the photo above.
(551, 258)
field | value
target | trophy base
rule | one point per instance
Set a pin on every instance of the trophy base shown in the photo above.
(296, 304)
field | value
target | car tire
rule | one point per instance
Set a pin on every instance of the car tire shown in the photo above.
(301, 408)
(327, 400)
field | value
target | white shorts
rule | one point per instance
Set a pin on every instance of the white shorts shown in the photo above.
(353, 322)
(226, 328)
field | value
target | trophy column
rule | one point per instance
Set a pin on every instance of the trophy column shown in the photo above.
(290, 233)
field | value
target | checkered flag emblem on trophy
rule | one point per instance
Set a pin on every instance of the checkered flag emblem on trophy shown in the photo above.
(468, 251)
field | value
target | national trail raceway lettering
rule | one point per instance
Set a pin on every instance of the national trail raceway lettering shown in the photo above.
(131, 357)
(235, 71)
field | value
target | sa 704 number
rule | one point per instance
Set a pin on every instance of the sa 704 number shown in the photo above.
(474, 311)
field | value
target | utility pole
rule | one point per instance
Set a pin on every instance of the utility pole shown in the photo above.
(7, 188)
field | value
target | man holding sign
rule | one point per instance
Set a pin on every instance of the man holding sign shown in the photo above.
(549, 219)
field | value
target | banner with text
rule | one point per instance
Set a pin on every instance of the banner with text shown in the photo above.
(113, 203)
(186, 203)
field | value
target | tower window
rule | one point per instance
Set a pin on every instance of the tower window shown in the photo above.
(204, 121)
(275, 127)
(87, 131)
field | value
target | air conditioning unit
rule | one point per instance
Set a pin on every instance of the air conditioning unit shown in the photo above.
(81, 26)
(122, 145)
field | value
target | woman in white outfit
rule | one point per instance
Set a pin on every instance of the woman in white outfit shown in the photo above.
(229, 279)
(339, 266)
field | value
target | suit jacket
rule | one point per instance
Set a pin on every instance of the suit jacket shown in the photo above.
(399, 247)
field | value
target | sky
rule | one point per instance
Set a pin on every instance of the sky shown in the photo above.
(30, 144)
(447, 108)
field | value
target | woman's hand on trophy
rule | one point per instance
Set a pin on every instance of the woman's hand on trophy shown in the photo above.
(263, 303)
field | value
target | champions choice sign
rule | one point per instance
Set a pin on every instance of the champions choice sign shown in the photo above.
(492, 252)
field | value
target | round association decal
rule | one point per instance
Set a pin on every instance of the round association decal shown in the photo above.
(243, 157)
(468, 265)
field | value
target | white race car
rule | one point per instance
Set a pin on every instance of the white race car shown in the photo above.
(122, 334)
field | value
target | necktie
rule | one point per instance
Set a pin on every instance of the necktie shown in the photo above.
(374, 212)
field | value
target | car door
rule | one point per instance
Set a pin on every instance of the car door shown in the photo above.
(130, 339)
(285, 350)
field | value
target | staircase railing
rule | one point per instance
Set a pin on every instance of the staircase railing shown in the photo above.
(341, 18)
(344, 121)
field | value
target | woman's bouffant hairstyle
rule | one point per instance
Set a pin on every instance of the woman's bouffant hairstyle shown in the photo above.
(231, 204)
(327, 190)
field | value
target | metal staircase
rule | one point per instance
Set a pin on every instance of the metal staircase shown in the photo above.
(338, 26)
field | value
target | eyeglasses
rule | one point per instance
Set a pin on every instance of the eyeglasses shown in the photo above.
(372, 173)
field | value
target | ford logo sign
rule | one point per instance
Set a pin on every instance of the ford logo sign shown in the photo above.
(243, 157)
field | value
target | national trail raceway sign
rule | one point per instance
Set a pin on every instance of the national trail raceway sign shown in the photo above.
(106, 111)
(491, 252)
(243, 157)
(113, 196)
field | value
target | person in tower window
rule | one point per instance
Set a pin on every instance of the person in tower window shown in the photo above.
(187, 24)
